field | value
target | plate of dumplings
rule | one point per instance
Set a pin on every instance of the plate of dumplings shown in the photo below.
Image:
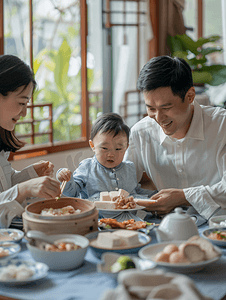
(18, 271)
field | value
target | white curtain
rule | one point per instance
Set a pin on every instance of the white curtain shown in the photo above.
(125, 71)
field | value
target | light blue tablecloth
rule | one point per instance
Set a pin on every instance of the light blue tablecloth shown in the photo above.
(85, 283)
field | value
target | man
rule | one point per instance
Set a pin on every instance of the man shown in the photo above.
(180, 144)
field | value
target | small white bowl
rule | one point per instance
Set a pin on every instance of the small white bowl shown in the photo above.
(65, 260)
(215, 221)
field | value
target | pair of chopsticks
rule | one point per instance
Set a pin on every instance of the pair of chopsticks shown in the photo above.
(62, 188)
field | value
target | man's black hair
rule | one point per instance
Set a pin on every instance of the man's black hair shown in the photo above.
(166, 71)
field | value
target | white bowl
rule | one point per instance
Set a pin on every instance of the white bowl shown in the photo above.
(65, 260)
(215, 221)
(207, 232)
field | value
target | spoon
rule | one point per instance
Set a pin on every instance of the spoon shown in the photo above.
(36, 235)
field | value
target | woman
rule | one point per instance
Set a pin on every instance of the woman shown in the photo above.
(16, 88)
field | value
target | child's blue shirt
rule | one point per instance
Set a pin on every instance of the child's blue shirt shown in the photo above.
(91, 178)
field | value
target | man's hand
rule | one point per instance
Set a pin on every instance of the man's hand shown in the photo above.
(165, 201)
(44, 168)
(64, 175)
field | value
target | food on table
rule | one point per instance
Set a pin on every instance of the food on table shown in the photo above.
(120, 198)
(6, 236)
(104, 196)
(223, 223)
(170, 249)
(64, 211)
(129, 237)
(21, 272)
(118, 202)
(117, 239)
(178, 257)
(217, 235)
(124, 203)
(108, 240)
(3, 252)
(104, 204)
(62, 246)
(123, 262)
(130, 224)
(162, 257)
(205, 245)
(194, 250)
(108, 196)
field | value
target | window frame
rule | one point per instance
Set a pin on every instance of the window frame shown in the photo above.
(44, 149)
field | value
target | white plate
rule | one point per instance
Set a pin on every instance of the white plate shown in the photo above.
(40, 271)
(110, 213)
(13, 248)
(220, 243)
(13, 235)
(92, 236)
(150, 251)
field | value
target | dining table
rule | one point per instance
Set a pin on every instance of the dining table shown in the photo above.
(86, 283)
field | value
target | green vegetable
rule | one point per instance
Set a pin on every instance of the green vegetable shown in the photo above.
(123, 262)
(149, 223)
(219, 232)
(107, 226)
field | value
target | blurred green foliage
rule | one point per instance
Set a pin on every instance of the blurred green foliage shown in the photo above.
(195, 52)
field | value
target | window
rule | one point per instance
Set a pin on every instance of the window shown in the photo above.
(57, 39)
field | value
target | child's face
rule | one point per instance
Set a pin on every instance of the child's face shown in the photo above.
(109, 150)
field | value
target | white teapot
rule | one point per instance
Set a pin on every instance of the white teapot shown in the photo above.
(176, 226)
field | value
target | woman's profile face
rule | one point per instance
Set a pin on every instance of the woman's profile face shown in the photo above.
(14, 105)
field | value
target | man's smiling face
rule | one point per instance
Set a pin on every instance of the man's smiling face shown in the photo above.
(168, 110)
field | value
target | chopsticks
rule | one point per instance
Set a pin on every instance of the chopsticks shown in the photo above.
(62, 188)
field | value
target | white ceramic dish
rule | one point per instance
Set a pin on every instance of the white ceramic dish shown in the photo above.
(220, 243)
(109, 258)
(13, 235)
(65, 260)
(109, 213)
(215, 221)
(97, 251)
(13, 248)
(40, 271)
(150, 251)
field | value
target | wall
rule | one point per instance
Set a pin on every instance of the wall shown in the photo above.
(69, 159)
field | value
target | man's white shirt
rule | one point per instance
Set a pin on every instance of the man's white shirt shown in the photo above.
(196, 163)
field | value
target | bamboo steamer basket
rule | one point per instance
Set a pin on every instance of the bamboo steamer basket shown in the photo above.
(80, 223)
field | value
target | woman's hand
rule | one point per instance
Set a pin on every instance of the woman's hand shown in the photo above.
(42, 187)
(44, 168)
(64, 175)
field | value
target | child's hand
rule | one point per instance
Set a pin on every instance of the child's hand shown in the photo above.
(44, 168)
(64, 175)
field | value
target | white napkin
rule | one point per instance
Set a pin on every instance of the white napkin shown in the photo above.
(154, 285)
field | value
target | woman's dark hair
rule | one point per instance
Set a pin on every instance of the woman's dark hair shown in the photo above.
(166, 71)
(110, 123)
(14, 73)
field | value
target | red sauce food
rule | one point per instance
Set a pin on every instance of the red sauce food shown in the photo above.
(217, 235)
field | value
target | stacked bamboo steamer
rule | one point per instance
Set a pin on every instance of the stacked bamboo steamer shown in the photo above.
(79, 223)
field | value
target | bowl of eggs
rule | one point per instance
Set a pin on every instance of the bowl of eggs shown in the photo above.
(60, 251)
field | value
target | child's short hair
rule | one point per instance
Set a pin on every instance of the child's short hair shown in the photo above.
(110, 123)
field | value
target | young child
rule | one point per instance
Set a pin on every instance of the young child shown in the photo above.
(105, 171)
